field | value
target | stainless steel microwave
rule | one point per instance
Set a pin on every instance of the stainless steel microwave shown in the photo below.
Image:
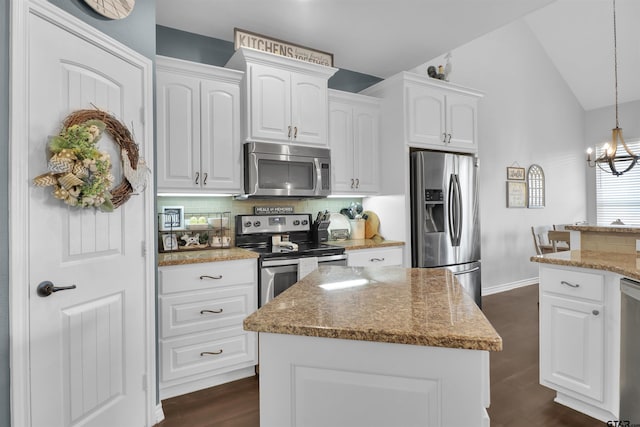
(273, 170)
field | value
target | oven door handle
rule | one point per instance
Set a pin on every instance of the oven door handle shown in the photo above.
(294, 261)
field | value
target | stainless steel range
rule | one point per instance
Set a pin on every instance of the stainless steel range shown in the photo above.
(281, 242)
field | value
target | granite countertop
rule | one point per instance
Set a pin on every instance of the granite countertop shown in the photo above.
(384, 304)
(211, 255)
(624, 264)
(364, 244)
(604, 228)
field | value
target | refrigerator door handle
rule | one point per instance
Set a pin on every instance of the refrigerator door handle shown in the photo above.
(460, 212)
(450, 206)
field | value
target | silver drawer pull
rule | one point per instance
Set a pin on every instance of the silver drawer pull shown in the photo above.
(595, 312)
(569, 284)
(211, 352)
(376, 259)
(211, 311)
(219, 276)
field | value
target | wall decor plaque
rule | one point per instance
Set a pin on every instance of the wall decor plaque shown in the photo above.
(516, 194)
(272, 210)
(243, 38)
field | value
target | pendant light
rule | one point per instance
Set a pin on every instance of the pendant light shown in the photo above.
(609, 161)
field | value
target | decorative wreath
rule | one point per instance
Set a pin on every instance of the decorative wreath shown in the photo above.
(80, 173)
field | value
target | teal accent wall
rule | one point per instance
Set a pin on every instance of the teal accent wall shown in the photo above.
(5, 414)
(207, 50)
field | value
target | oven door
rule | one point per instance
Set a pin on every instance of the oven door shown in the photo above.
(276, 276)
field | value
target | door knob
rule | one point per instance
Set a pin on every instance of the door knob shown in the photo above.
(46, 288)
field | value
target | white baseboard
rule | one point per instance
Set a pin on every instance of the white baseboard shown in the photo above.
(509, 286)
(159, 413)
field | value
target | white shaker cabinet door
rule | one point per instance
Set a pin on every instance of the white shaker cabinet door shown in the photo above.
(270, 104)
(426, 117)
(572, 345)
(340, 142)
(366, 124)
(220, 130)
(461, 122)
(178, 130)
(309, 109)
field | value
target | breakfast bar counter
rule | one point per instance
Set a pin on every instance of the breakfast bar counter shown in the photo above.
(351, 346)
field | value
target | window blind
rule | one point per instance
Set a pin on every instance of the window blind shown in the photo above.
(618, 197)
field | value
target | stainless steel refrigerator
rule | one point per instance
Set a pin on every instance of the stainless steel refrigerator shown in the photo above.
(445, 223)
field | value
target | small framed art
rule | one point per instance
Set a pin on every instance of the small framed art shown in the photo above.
(169, 242)
(172, 218)
(515, 173)
(516, 194)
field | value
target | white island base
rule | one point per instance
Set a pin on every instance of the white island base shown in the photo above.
(319, 382)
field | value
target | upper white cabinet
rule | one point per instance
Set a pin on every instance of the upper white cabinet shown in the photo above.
(354, 123)
(285, 99)
(421, 112)
(441, 118)
(198, 127)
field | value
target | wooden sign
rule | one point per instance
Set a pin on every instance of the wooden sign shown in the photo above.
(272, 210)
(255, 41)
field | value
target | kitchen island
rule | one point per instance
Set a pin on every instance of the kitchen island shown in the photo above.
(375, 346)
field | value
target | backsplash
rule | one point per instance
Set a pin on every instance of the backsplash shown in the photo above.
(196, 205)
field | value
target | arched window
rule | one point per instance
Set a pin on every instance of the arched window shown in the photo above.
(535, 181)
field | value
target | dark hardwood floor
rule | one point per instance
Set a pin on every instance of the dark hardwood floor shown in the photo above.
(516, 397)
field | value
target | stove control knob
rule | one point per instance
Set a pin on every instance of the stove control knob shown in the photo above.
(247, 224)
(296, 222)
(256, 224)
(305, 222)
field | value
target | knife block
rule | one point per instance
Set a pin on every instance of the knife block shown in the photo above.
(319, 231)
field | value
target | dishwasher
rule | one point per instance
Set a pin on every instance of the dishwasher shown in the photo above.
(630, 352)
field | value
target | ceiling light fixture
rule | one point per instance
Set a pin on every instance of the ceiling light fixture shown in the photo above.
(609, 161)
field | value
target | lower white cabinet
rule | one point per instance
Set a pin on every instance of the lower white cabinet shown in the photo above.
(201, 309)
(375, 257)
(580, 338)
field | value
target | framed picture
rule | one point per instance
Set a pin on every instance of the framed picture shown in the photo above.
(172, 217)
(516, 194)
(515, 173)
(170, 242)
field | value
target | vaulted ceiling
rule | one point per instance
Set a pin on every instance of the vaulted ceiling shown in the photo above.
(383, 37)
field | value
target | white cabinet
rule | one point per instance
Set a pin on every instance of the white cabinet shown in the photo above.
(198, 127)
(375, 257)
(285, 99)
(354, 123)
(441, 118)
(201, 340)
(579, 338)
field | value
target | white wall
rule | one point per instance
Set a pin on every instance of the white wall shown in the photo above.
(528, 115)
(599, 123)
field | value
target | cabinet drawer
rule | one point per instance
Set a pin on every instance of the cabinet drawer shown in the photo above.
(204, 310)
(191, 277)
(572, 283)
(375, 257)
(182, 357)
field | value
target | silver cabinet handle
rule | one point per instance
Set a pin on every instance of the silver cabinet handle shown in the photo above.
(204, 181)
(289, 133)
(357, 182)
(219, 276)
(444, 138)
(197, 177)
(570, 284)
(211, 311)
(376, 259)
(595, 312)
(211, 352)
(295, 132)
(449, 140)
(352, 183)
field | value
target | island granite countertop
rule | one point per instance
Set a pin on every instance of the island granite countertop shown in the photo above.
(425, 307)
(627, 265)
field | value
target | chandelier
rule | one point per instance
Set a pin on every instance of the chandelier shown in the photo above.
(609, 161)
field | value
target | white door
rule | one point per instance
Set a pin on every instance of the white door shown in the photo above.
(309, 107)
(341, 144)
(87, 345)
(365, 147)
(269, 104)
